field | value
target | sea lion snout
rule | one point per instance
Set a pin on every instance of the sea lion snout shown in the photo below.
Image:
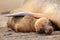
(43, 25)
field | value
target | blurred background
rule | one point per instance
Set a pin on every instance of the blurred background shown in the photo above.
(6, 5)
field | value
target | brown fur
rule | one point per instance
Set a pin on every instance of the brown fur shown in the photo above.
(29, 24)
(34, 6)
(25, 24)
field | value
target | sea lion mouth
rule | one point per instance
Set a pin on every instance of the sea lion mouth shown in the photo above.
(42, 31)
(48, 27)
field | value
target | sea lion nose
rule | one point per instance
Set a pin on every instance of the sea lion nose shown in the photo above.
(49, 31)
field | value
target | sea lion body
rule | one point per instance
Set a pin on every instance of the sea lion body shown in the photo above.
(35, 6)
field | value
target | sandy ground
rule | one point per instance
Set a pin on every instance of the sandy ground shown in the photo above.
(11, 35)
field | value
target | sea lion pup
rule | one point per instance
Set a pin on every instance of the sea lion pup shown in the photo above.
(47, 9)
(29, 23)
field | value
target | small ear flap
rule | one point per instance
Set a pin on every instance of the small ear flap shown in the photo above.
(17, 14)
